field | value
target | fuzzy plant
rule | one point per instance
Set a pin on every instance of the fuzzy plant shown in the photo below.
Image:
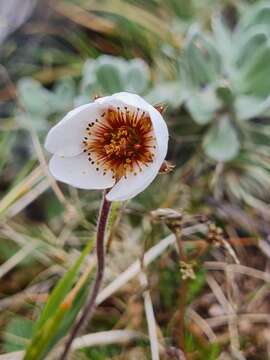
(227, 92)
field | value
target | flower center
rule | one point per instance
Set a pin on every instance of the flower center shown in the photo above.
(121, 141)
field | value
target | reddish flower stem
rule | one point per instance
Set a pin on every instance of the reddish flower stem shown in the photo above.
(182, 293)
(91, 303)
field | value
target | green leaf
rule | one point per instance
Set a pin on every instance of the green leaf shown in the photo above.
(55, 320)
(56, 327)
(201, 58)
(110, 74)
(223, 40)
(249, 43)
(256, 14)
(248, 107)
(34, 98)
(221, 143)
(195, 286)
(255, 73)
(39, 345)
(202, 105)
(64, 93)
(38, 123)
(137, 76)
(225, 93)
(17, 334)
(62, 288)
(168, 93)
(70, 316)
(88, 75)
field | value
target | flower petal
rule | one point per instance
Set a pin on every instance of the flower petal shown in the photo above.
(65, 138)
(159, 125)
(79, 172)
(131, 186)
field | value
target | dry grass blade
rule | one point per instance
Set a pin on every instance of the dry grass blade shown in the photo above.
(202, 324)
(21, 189)
(133, 13)
(106, 338)
(37, 292)
(150, 317)
(96, 339)
(241, 269)
(134, 269)
(21, 240)
(253, 318)
(83, 17)
(218, 292)
(16, 259)
(232, 320)
(45, 169)
(28, 198)
(44, 255)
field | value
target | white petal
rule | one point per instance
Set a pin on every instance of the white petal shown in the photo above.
(125, 98)
(128, 188)
(109, 101)
(160, 130)
(159, 125)
(65, 138)
(79, 172)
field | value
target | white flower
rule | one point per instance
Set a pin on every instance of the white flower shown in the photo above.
(117, 142)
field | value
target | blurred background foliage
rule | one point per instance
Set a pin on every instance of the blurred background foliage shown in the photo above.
(208, 63)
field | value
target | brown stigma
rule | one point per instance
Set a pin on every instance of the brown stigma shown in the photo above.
(121, 140)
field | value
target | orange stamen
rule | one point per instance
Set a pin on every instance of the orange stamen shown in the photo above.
(121, 141)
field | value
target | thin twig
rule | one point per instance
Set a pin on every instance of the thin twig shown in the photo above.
(182, 291)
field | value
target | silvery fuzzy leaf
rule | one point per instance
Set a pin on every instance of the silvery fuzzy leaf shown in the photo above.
(202, 60)
(223, 40)
(137, 76)
(256, 14)
(110, 74)
(64, 93)
(249, 43)
(167, 93)
(88, 74)
(221, 142)
(248, 107)
(202, 105)
(254, 76)
(34, 97)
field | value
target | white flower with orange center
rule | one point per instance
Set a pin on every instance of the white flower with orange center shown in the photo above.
(117, 142)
